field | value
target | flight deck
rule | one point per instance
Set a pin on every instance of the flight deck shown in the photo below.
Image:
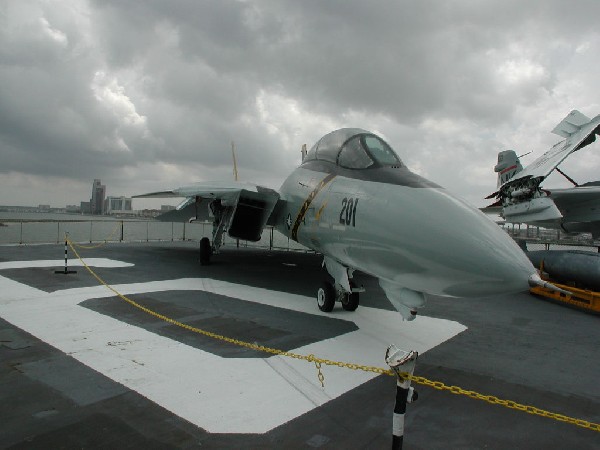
(83, 368)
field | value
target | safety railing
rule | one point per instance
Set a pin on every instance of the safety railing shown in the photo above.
(538, 238)
(95, 231)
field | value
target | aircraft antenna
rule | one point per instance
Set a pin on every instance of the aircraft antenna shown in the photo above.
(235, 172)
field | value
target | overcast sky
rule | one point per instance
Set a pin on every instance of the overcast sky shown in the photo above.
(148, 95)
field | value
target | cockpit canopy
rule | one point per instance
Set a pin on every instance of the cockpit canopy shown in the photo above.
(353, 148)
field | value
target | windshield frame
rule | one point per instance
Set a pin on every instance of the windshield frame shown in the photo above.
(376, 161)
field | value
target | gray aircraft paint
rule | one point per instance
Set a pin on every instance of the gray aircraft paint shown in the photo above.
(402, 234)
(354, 201)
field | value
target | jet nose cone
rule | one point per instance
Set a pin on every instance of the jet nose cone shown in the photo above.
(471, 255)
(492, 260)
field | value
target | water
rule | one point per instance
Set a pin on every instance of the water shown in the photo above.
(39, 217)
(43, 228)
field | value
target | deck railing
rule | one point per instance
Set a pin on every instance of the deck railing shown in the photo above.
(94, 231)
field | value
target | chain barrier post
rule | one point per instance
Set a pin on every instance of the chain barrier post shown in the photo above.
(403, 364)
(66, 271)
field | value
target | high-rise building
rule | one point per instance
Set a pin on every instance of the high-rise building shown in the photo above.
(85, 207)
(117, 205)
(97, 200)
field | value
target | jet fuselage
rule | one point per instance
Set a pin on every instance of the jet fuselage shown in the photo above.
(401, 228)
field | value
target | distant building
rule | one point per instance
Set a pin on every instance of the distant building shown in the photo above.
(115, 205)
(85, 207)
(97, 200)
(149, 212)
(73, 208)
(44, 208)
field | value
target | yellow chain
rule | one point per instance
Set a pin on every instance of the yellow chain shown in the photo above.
(506, 403)
(89, 247)
(320, 361)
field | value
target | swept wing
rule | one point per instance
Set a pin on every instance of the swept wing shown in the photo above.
(243, 208)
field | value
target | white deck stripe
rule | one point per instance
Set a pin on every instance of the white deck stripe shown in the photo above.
(220, 395)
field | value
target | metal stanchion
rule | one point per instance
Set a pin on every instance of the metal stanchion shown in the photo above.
(401, 362)
(66, 271)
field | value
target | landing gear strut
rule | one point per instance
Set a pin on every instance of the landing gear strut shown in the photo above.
(221, 215)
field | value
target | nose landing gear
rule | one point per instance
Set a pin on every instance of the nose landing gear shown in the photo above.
(326, 297)
(328, 294)
(351, 299)
(222, 215)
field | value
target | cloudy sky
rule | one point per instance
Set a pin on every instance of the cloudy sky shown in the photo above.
(148, 95)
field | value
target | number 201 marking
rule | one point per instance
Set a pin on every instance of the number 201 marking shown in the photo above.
(348, 213)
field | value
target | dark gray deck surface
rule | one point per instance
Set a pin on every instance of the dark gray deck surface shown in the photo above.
(516, 347)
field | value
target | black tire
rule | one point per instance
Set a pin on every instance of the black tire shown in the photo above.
(326, 297)
(205, 251)
(350, 301)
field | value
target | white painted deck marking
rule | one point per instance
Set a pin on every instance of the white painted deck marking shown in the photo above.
(220, 395)
(60, 263)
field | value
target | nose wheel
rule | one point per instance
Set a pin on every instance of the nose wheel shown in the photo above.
(350, 300)
(327, 295)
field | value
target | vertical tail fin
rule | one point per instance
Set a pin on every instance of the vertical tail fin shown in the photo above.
(508, 165)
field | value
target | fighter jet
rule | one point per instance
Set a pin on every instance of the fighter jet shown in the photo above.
(355, 202)
(523, 200)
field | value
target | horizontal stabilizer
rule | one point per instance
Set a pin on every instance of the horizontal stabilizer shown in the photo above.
(571, 124)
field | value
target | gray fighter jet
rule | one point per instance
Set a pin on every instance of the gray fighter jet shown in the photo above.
(522, 199)
(355, 202)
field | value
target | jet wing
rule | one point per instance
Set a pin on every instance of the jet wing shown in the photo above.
(579, 131)
(580, 204)
(246, 207)
(211, 190)
(576, 195)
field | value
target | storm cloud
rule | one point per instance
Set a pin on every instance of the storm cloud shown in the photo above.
(149, 95)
